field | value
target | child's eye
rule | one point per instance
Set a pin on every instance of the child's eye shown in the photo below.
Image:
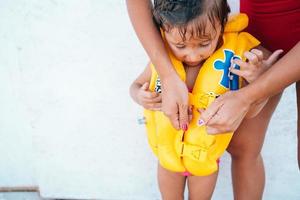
(204, 44)
(180, 46)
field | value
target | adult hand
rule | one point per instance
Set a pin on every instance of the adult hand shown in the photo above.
(226, 113)
(175, 101)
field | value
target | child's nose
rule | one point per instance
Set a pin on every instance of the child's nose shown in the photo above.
(193, 57)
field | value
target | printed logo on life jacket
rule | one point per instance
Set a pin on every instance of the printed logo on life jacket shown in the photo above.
(157, 88)
(224, 66)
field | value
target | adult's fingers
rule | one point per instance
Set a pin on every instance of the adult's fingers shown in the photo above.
(201, 110)
(183, 116)
(190, 113)
(207, 114)
(174, 94)
(212, 130)
(215, 125)
(174, 118)
(171, 111)
(230, 113)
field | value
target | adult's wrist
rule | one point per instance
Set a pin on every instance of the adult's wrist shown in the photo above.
(168, 74)
(247, 95)
(165, 68)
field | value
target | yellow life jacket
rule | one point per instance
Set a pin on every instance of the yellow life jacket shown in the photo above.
(194, 150)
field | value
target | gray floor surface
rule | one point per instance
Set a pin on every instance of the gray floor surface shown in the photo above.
(20, 196)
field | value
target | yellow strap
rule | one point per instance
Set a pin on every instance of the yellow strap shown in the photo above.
(202, 100)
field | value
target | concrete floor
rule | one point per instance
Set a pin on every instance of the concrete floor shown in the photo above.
(20, 196)
(23, 196)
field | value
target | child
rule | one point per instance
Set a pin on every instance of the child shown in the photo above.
(193, 32)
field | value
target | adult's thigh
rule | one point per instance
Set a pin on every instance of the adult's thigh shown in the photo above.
(248, 139)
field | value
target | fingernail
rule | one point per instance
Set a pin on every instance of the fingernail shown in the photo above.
(186, 173)
(184, 127)
(200, 122)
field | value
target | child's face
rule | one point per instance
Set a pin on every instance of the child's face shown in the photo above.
(193, 50)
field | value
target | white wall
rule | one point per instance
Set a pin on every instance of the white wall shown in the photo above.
(67, 123)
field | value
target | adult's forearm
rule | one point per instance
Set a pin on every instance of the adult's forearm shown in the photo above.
(141, 17)
(283, 73)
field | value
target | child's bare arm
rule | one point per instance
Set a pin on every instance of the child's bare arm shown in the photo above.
(140, 93)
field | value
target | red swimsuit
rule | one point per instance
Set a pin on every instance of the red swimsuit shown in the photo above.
(275, 23)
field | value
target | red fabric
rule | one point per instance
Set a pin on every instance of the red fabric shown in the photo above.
(276, 23)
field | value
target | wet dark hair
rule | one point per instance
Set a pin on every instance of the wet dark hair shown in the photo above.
(180, 14)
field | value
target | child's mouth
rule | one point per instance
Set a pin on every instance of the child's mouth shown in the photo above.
(192, 64)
